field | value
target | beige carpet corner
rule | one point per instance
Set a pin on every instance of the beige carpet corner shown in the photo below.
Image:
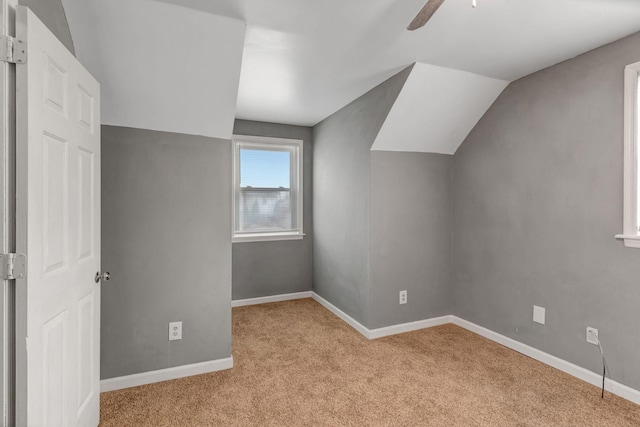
(295, 363)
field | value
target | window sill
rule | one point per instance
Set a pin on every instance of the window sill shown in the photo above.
(630, 241)
(266, 237)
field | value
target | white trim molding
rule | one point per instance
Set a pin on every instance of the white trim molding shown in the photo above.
(408, 327)
(176, 372)
(553, 361)
(630, 224)
(576, 371)
(630, 241)
(267, 237)
(295, 147)
(272, 298)
(387, 330)
(342, 315)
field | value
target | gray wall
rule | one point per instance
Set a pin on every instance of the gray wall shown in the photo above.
(166, 222)
(537, 202)
(273, 268)
(410, 235)
(52, 14)
(342, 145)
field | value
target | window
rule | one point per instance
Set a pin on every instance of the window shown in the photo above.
(631, 195)
(267, 189)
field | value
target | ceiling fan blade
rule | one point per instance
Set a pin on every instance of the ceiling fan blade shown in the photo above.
(425, 14)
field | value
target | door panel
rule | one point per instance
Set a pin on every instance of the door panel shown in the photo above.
(86, 381)
(86, 199)
(56, 200)
(58, 228)
(54, 375)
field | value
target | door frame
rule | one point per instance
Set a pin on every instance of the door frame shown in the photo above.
(7, 217)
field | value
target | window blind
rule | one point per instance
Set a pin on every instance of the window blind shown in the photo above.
(265, 192)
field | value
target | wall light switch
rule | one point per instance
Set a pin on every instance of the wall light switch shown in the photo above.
(538, 314)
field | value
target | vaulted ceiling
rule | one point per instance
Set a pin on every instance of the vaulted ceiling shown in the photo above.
(436, 109)
(305, 59)
(160, 67)
(175, 64)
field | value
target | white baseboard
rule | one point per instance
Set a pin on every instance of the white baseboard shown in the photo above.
(342, 315)
(165, 374)
(221, 364)
(381, 332)
(272, 298)
(408, 327)
(576, 371)
(546, 358)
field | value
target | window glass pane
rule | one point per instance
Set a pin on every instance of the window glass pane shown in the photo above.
(264, 210)
(265, 168)
(264, 197)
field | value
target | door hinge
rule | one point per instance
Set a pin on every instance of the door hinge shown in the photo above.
(12, 266)
(12, 50)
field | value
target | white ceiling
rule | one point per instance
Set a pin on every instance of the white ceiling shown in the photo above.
(436, 109)
(305, 59)
(160, 66)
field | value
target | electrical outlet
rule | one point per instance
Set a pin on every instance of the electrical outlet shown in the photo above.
(403, 297)
(175, 331)
(539, 314)
(592, 335)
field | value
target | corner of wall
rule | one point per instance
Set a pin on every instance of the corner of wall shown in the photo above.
(342, 145)
(395, 85)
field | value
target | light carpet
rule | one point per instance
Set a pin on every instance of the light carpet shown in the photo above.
(296, 364)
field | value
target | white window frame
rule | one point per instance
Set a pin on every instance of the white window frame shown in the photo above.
(261, 142)
(631, 209)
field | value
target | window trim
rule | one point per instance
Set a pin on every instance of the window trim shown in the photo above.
(298, 188)
(631, 209)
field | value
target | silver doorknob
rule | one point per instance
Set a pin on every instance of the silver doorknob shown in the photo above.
(104, 276)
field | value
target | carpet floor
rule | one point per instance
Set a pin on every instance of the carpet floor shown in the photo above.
(296, 364)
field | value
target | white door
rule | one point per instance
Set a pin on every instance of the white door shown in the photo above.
(58, 228)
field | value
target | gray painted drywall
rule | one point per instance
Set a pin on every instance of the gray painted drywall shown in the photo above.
(410, 246)
(282, 267)
(51, 13)
(166, 222)
(341, 152)
(537, 201)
